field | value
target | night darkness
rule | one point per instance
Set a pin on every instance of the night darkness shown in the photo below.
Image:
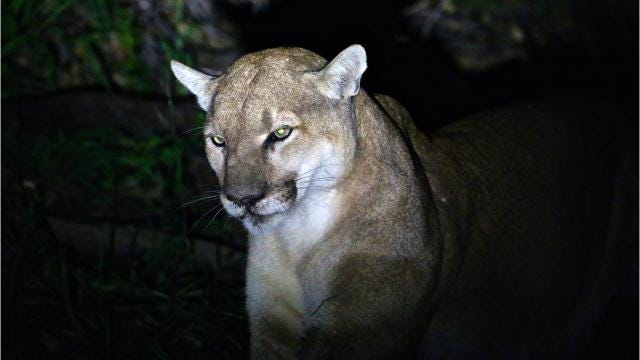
(112, 246)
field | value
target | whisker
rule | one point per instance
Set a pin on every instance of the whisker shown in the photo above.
(193, 129)
(206, 198)
(312, 188)
(205, 214)
(320, 178)
(318, 167)
(214, 191)
(301, 179)
(213, 218)
(322, 181)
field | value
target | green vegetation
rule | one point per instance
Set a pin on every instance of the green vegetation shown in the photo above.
(53, 44)
(161, 303)
(60, 300)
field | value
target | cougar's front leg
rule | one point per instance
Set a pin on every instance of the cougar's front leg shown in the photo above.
(274, 302)
(373, 311)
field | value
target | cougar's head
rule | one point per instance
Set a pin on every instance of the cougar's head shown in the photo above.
(280, 127)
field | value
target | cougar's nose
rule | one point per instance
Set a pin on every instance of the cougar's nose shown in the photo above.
(243, 198)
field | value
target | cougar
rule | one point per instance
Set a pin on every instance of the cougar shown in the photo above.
(369, 239)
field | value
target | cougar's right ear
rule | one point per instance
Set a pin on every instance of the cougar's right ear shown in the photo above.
(340, 79)
(203, 86)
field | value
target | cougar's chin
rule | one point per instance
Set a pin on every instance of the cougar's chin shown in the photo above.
(232, 209)
(268, 207)
(266, 217)
(267, 212)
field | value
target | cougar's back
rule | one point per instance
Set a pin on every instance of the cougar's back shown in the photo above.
(526, 200)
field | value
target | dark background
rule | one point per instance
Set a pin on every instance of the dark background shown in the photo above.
(112, 246)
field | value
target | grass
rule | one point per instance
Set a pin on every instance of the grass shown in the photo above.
(57, 300)
(161, 303)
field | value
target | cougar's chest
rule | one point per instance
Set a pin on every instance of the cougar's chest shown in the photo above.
(308, 224)
(290, 258)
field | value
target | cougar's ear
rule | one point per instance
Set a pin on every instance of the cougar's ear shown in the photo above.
(340, 79)
(200, 84)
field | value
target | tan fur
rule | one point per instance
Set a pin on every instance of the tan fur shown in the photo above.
(370, 239)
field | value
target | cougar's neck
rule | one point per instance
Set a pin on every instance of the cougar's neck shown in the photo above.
(383, 171)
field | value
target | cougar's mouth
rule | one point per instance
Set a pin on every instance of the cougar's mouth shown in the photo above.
(279, 200)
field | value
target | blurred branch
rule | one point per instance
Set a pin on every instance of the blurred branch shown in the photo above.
(127, 240)
(132, 112)
(104, 65)
(427, 12)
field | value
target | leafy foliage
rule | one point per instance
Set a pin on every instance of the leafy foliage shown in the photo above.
(59, 302)
(53, 44)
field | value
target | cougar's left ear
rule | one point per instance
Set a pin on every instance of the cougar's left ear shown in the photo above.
(340, 79)
(203, 86)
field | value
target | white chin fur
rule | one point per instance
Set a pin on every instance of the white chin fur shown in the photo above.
(265, 207)
(269, 211)
(263, 225)
(231, 208)
(270, 206)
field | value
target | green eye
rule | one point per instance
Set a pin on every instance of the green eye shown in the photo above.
(217, 140)
(282, 132)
